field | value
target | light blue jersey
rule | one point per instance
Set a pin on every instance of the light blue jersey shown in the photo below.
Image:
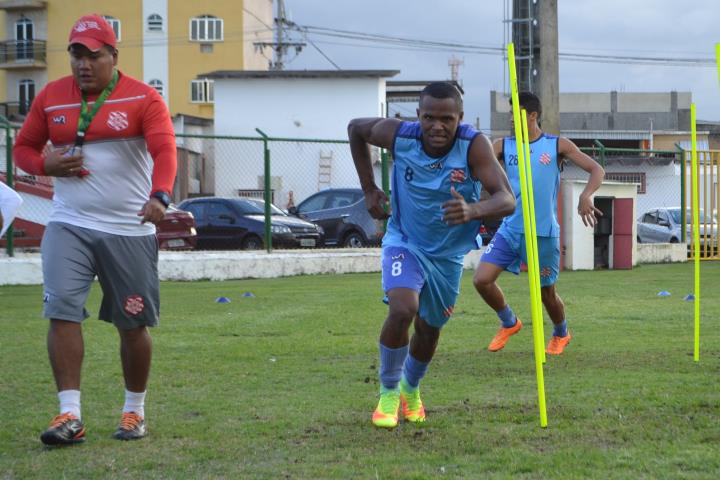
(546, 182)
(420, 186)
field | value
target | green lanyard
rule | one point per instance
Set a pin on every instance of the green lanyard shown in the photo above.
(87, 116)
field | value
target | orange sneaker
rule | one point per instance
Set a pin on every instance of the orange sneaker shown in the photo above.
(132, 427)
(65, 429)
(503, 335)
(558, 344)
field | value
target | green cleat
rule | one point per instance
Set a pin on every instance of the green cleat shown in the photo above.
(412, 406)
(386, 413)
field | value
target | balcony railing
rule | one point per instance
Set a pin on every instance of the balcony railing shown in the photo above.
(23, 53)
(12, 5)
(15, 110)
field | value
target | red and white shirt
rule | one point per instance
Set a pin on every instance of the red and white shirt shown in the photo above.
(129, 151)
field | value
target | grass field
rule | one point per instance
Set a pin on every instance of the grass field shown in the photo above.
(282, 386)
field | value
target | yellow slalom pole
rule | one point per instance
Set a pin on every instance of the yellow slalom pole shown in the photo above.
(695, 229)
(532, 262)
(717, 58)
(538, 327)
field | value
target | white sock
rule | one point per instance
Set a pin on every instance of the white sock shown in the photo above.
(70, 402)
(134, 402)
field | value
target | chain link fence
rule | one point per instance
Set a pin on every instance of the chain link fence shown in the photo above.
(233, 167)
(236, 167)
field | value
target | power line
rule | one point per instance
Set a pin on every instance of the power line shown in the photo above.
(390, 42)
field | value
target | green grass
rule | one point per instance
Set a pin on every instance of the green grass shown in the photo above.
(282, 386)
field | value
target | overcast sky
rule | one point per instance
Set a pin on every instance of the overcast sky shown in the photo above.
(666, 28)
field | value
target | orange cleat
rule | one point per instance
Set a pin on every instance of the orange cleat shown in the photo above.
(558, 344)
(132, 427)
(503, 335)
(65, 429)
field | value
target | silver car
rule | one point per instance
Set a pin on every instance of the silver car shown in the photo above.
(342, 213)
(664, 225)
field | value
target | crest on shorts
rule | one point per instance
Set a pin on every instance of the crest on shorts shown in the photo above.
(118, 120)
(59, 119)
(134, 305)
(457, 175)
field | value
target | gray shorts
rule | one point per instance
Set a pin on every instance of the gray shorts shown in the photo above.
(125, 266)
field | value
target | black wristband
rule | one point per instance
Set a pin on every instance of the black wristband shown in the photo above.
(163, 197)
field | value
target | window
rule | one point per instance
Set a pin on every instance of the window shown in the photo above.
(630, 177)
(220, 214)
(24, 39)
(650, 217)
(115, 24)
(197, 209)
(157, 85)
(26, 94)
(201, 91)
(154, 23)
(206, 28)
(314, 203)
(342, 199)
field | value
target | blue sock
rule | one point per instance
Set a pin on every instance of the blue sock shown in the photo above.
(391, 364)
(507, 317)
(413, 371)
(560, 330)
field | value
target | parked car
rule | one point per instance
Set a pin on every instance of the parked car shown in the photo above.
(341, 212)
(232, 223)
(177, 230)
(664, 225)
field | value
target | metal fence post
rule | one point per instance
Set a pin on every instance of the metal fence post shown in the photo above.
(683, 180)
(602, 152)
(9, 177)
(268, 198)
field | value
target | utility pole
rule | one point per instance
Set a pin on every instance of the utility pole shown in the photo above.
(548, 81)
(281, 46)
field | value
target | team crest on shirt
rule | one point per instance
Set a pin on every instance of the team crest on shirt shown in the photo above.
(59, 120)
(118, 120)
(457, 175)
(134, 305)
(545, 159)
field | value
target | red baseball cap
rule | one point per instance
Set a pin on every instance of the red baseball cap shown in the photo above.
(93, 31)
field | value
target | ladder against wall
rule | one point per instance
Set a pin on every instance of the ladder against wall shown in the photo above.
(325, 169)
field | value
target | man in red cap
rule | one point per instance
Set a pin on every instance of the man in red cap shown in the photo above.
(113, 157)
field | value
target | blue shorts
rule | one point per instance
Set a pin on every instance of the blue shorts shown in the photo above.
(507, 250)
(437, 281)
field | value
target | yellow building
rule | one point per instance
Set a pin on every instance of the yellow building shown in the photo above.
(166, 43)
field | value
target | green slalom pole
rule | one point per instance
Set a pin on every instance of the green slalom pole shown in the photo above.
(695, 229)
(532, 262)
(539, 335)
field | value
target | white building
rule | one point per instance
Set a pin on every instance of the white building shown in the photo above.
(305, 105)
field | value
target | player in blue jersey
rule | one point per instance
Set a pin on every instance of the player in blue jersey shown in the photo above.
(507, 248)
(438, 166)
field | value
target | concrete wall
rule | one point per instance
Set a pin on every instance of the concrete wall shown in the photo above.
(298, 108)
(608, 111)
(662, 183)
(26, 269)
(295, 107)
(661, 252)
